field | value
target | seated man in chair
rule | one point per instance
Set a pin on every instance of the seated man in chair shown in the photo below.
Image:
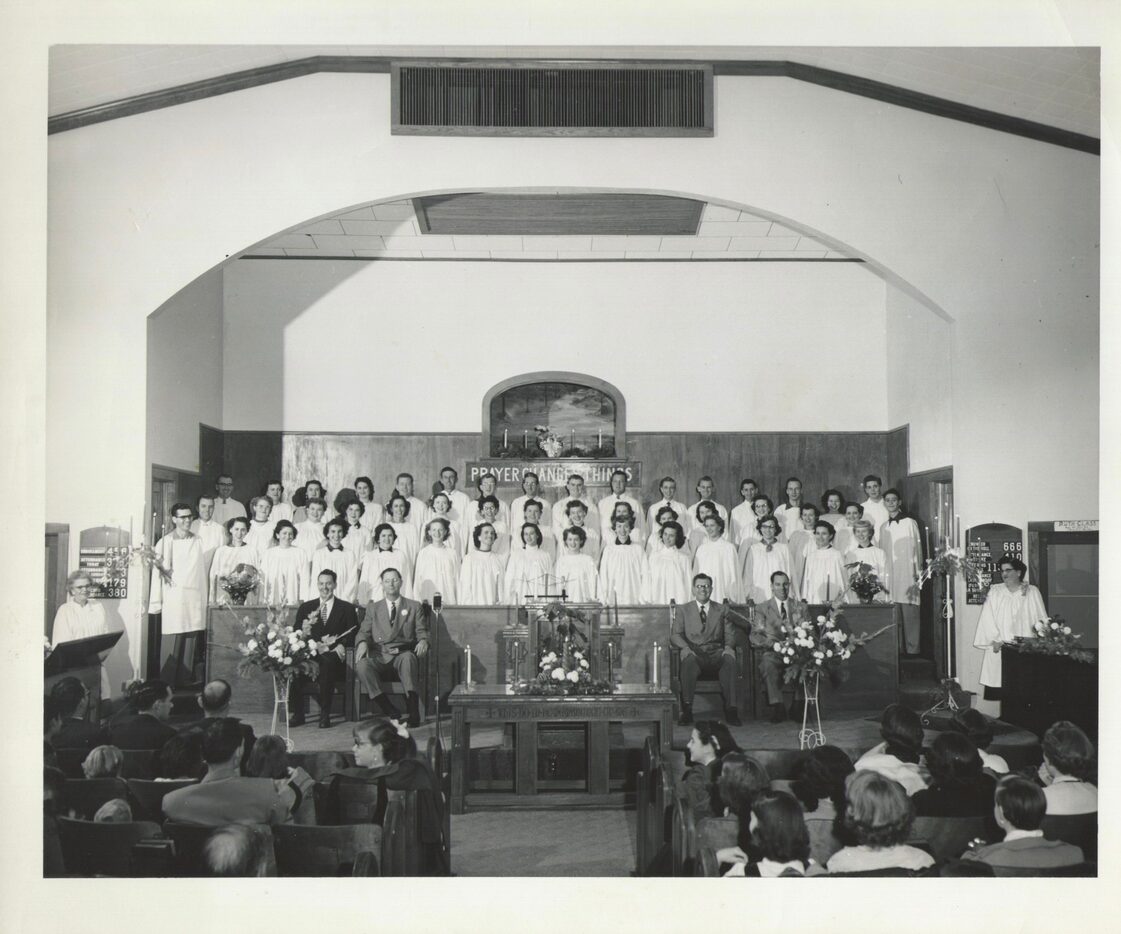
(329, 616)
(704, 633)
(770, 617)
(393, 636)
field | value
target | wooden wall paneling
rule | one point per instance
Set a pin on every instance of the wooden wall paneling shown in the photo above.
(212, 455)
(252, 458)
(898, 448)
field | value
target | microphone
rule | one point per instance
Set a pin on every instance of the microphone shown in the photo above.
(437, 601)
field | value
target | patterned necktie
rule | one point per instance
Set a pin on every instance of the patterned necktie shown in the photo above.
(704, 616)
(323, 612)
(393, 612)
(783, 605)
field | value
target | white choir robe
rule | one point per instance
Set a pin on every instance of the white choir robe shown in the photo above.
(481, 579)
(695, 539)
(593, 546)
(622, 573)
(560, 517)
(436, 572)
(876, 513)
(527, 572)
(455, 537)
(183, 601)
(72, 622)
(654, 542)
(875, 558)
(606, 507)
(285, 574)
(577, 577)
(718, 559)
(310, 537)
(683, 518)
(259, 536)
(212, 535)
(225, 560)
(845, 539)
(373, 516)
(801, 542)
(475, 515)
(758, 566)
(460, 502)
(408, 542)
(358, 540)
(418, 514)
(695, 523)
(823, 575)
(789, 518)
(280, 511)
(903, 551)
(1005, 615)
(370, 570)
(345, 566)
(501, 546)
(668, 577)
(743, 521)
(227, 509)
(835, 519)
(517, 509)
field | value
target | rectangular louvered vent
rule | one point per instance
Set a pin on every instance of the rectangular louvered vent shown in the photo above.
(486, 99)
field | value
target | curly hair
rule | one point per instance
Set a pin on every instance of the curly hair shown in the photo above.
(1070, 751)
(103, 762)
(741, 779)
(821, 775)
(269, 758)
(878, 812)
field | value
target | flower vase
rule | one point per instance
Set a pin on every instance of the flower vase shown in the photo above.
(866, 600)
(811, 735)
(281, 686)
(238, 599)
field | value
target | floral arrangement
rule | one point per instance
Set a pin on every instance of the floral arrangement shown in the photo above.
(1054, 637)
(949, 562)
(548, 441)
(564, 668)
(863, 581)
(281, 649)
(818, 645)
(240, 582)
(118, 560)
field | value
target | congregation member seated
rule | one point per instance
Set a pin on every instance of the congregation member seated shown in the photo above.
(669, 570)
(668, 488)
(529, 567)
(385, 555)
(771, 617)
(575, 570)
(373, 513)
(878, 816)
(622, 566)
(147, 728)
(393, 635)
(181, 759)
(959, 786)
(114, 811)
(762, 558)
(224, 796)
(214, 700)
(704, 635)
(979, 729)
(741, 778)
(1019, 810)
(334, 557)
(236, 851)
(437, 565)
(52, 723)
(284, 568)
(482, 574)
(329, 616)
(709, 741)
(897, 757)
(819, 782)
(70, 700)
(777, 842)
(1069, 770)
(269, 759)
(103, 762)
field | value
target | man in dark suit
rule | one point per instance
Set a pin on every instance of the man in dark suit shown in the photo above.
(215, 700)
(70, 700)
(147, 728)
(329, 616)
(393, 636)
(704, 633)
(770, 617)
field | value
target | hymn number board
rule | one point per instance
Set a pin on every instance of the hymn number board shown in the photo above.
(985, 545)
(102, 551)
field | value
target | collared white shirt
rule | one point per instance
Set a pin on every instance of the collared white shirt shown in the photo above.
(1015, 834)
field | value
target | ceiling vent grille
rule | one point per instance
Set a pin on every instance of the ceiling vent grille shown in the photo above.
(560, 99)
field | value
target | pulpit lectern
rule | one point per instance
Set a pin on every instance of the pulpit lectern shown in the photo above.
(80, 659)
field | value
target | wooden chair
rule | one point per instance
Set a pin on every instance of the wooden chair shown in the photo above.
(1078, 870)
(70, 762)
(139, 763)
(706, 863)
(85, 795)
(717, 832)
(363, 707)
(321, 765)
(146, 797)
(190, 839)
(683, 837)
(343, 688)
(946, 837)
(348, 800)
(101, 849)
(823, 842)
(707, 686)
(348, 850)
(1078, 829)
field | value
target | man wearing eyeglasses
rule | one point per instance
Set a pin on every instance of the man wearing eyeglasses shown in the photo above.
(182, 599)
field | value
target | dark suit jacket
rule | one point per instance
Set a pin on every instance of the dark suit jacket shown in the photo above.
(768, 620)
(343, 616)
(1027, 853)
(247, 735)
(78, 734)
(140, 731)
(714, 637)
(388, 639)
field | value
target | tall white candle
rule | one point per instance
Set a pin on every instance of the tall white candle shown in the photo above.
(467, 652)
(505, 438)
(601, 437)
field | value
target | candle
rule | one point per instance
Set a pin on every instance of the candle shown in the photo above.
(826, 588)
(601, 437)
(654, 672)
(525, 439)
(467, 653)
(572, 445)
(505, 438)
(957, 531)
(929, 550)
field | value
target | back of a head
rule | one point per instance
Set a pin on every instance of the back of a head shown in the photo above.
(103, 762)
(741, 779)
(269, 758)
(150, 693)
(215, 697)
(1070, 751)
(953, 758)
(975, 725)
(1021, 801)
(901, 729)
(821, 774)
(67, 695)
(877, 810)
(220, 740)
(236, 850)
(115, 811)
(181, 757)
(780, 833)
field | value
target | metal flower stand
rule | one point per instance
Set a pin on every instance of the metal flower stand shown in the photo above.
(280, 687)
(808, 737)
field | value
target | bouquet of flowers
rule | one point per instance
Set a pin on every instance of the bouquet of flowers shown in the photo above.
(563, 666)
(548, 441)
(118, 560)
(1054, 637)
(239, 583)
(818, 645)
(950, 562)
(282, 649)
(863, 581)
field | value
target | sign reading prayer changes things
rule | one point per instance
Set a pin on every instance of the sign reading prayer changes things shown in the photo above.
(96, 549)
(552, 473)
(985, 545)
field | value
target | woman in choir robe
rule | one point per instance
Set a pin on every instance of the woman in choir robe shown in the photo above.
(864, 552)
(79, 617)
(284, 569)
(408, 542)
(761, 506)
(846, 531)
(487, 485)
(441, 508)
(373, 513)
(357, 538)
(385, 555)
(228, 557)
(1011, 609)
(834, 505)
(716, 557)
(576, 571)
(437, 565)
(655, 542)
(311, 533)
(576, 516)
(334, 556)
(801, 540)
(622, 567)
(489, 515)
(902, 545)
(532, 513)
(529, 568)
(823, 574)
(668, 576)
(742, 518)
(182, 601)
(698, 536)
(762, 558)
(260, 528)
(483, 572)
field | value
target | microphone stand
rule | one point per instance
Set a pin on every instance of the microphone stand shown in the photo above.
(438, 601)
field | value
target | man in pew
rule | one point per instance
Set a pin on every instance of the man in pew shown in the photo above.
(71, 701)
(770, 616)
(148, 727)
(215, 700)
(225, 507)
(704, 634)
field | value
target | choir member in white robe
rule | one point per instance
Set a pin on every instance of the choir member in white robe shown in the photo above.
(313, 490)
(576, 517)
(846, 531)
(482, 575)
(790, 513)
(622, 568)
(418, 508)
(489, 516)
(284, 569)
(576, 571)
(698, 536)
(280, 509)
(864, 552)
(762, 558)
(533, 511)
(529, 568)
(385, 555)
(716, 557)
(742, 518)
(373, 513)
(823, 575)
(311, 533)
(487, 485)
(654, 541)
(875, 507)
(449, 480)
(574, 490)
(619, 494)
(358, 538)
(211, 533)
(531, 489)
(706, 490)
(902, 545)
(441, 508)
(437, 565)
(79, 617)
(1011, 609)
(833, 504)
(668, 488)
(228, 557)
(182, 601)
(761, 507)
(801, 540)
(225, 507)
(668, 572)
(334, 556)
(261, 525)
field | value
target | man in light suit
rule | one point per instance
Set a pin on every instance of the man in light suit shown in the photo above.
(704, 633)
(330, 616)
(394, 635)
(770, 617)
